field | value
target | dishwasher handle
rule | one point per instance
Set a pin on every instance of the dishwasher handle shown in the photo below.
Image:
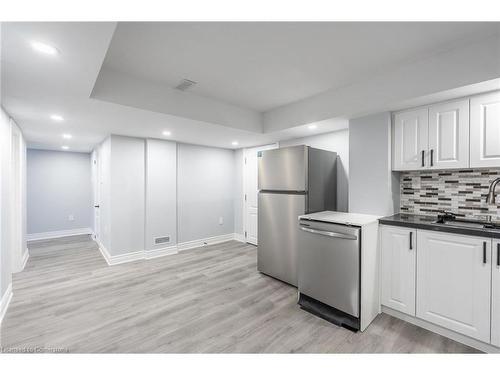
(330, 234)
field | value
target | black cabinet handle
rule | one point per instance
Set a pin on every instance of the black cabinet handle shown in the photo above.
(423, 158)
(96, 206)
(432, 157)
(498, 254)
(484, 252)
(411, 240)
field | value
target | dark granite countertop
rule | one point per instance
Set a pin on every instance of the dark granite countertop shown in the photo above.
(428, 223)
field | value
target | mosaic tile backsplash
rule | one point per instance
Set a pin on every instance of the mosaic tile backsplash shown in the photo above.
(462, 192)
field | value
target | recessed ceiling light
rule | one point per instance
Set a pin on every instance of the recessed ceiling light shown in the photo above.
(44, 48)
(65, 147)
(58, 118)
(312, 127)
(235, 143)
(166, 133)
(67, 136)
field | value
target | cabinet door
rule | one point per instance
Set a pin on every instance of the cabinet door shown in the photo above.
(410, 141)
(449, 135)
(398, 251)
(485, 130)
(454, 282)
(495, 295)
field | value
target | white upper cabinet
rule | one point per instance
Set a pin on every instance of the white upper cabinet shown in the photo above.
(449, 135)
(454, 282)
(398, 264)
(485, 130)
(410, 141)
(495, 295)
(458, 134)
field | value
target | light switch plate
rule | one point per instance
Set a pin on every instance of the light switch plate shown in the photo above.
(71, 217)
(221, 220)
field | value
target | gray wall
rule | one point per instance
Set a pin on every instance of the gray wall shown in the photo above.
(205, 191)
(374, 189)
(339, 142)
(58, 185)
(127, 194)
(161, 192)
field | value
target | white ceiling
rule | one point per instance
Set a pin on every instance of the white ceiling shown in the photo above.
(242, 69)
(261, 66)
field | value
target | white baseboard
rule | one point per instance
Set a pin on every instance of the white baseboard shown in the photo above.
(25, 259)
(479, 345)
(205, 242)
(19, 267)
(239, 237)
(57, 234)
(119, 259)
(156, 253)
(104, 252)
(5, 301)
(170, 250)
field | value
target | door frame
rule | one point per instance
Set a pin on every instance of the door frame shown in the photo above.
(97, 192)
(246, 151)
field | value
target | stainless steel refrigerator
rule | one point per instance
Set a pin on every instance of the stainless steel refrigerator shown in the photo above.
(292, 181)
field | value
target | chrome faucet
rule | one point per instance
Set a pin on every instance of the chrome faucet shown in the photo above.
(491, 197)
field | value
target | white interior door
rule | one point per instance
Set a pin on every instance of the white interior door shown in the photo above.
(251, 191)
(96, 176)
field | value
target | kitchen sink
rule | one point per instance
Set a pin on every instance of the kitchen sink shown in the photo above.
(467, 223)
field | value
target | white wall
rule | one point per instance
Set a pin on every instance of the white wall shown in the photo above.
(151, 188)
(127, 194)
(5, 227)
(59, 186)
(205, 192)
(338, 142)
(161, 192)
(12, 200)
(124, 89)
(374, 188)
(103, 154)
(19, 251)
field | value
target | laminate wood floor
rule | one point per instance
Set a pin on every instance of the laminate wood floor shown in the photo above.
(210, 299)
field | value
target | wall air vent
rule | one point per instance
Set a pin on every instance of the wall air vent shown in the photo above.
(185, 84)
(160, 240)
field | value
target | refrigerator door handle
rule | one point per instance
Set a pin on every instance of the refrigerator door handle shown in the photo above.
(330, 234)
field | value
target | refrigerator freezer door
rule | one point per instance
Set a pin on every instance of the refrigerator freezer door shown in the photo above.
(283, 169)
(278, 232)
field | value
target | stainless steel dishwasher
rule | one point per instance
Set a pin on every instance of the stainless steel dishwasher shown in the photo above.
(329, 258)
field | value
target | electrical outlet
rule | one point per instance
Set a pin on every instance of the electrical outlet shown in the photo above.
(71, 217)
(221, 220)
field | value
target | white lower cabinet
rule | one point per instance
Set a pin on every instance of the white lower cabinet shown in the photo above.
(495, 295)
(454, 282)
(398, 268)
